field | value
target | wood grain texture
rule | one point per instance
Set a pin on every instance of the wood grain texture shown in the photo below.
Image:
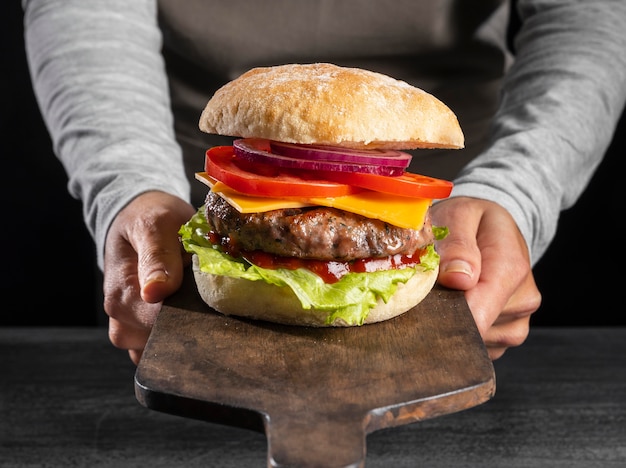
(303, 386)
(66, 399)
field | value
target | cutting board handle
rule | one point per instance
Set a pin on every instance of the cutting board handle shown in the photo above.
(313, 440)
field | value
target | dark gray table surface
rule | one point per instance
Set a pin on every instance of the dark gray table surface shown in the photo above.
(67, 399)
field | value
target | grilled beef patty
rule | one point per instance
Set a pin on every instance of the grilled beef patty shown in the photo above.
(314, 233)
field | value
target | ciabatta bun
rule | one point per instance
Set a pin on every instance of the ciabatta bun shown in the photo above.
(325, 104)
(262, 301)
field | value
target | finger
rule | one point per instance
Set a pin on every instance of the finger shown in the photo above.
(143, 263)
(505, 267)
(126, 336)
(160, 256)
(503, 336)
(460, 258)
(160, 265)
(512, 326)
(504, 294)
(121, 288)
(135, 355)
(130, 318)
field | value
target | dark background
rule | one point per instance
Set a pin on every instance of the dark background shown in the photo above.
(49, 272)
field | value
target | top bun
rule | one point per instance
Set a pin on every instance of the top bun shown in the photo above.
(326, 104)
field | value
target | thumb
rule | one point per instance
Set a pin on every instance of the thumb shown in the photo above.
(460, 263)
(161, 276)
(160, 256)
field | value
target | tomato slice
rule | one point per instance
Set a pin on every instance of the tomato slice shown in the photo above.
(407, 185)
(269, 181)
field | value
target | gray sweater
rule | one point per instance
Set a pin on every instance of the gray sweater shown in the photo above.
(121, 85)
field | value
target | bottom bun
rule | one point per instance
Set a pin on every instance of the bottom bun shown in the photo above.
(262, 301)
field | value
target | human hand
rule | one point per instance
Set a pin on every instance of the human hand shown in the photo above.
(143, 264)
(486, 256)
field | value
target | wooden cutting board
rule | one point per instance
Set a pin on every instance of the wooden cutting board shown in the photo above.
(316, 393)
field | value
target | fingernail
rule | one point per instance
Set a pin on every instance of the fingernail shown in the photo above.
(158, 276)
(458, 266)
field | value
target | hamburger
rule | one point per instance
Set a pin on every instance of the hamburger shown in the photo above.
(311, 216)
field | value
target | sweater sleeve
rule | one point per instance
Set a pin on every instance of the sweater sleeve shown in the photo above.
(100, 82)
(561, 101)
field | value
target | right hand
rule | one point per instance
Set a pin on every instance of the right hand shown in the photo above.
(143, 264)
(486, 256)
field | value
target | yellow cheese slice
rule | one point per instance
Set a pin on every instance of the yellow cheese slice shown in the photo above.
(247, 203)
(404, 212)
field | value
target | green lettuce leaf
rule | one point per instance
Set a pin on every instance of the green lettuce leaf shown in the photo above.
(350, 298)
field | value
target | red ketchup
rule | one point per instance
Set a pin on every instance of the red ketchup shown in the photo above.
(329, 271)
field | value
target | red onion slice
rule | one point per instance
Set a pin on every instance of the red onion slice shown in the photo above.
(259, 150)
(376, 157)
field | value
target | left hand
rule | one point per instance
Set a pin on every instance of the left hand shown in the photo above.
(143, 264)
(486, 256)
